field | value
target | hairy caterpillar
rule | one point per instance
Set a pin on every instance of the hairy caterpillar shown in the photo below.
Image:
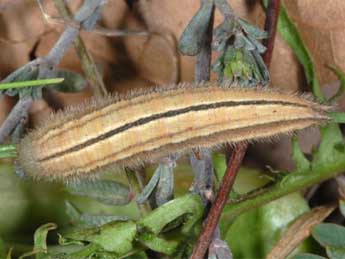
(127, 131)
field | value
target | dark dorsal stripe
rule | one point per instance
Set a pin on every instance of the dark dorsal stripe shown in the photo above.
(167, 114)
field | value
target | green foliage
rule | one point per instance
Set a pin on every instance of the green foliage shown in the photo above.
(302, 163)
(105, 191)
(31, 83)
(341, 76)
(72, 83)
(162, 230)
(332, 237)
(289, 32)
(40, 240)
(116, 237)
(83, 219)
(240, 58)
(8, 151)
(261, 228)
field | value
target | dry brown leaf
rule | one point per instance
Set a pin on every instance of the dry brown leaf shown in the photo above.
(299, 231)
(322, 28)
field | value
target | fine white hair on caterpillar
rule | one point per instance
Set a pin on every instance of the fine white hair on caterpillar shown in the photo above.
(126, 131)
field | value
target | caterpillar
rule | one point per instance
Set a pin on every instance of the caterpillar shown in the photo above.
(125, 131)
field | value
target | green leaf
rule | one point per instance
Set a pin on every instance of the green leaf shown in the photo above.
(337, 117)
(9, 253)
(262, 227)
(30, 83)
(219, 164)
(290, 34)
(148, 189)
(331, 137)
(8, 151)
(328, 234)
(73, 82)
(307, 256)
(189, 206)
(90, 220)
(161, 245)
(114, 237)
(85, 252)
(192, 37)
(105, 191)
(302, 163)
(25, 73)
(40, 240)
(165, 187)
(335, 252)
(341, 76)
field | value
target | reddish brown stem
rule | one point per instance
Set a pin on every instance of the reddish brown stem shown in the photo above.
(220, 201)
(238, 152)
(272, 14)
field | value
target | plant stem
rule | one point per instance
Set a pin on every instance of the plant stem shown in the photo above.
(202, 164)
(86, 59)
(235, 161)
(134, 180)
(220, 201)
(272, 15)
(290, 183)
(17, 113)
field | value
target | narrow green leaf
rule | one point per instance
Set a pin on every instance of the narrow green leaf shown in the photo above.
(8, 151)
(9, 253)
(341, 76)
(328, 234)
(165, 187)
(302, 163)
(72, 212)
(148, 189)
(105, 191)
(40, 240)
(30, 83)
(337, 117)
(219, 164)
(290, 34)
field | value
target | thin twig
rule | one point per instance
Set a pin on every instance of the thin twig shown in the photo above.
(16, 114)
(202, 163)
(219, 203)
(272, 15)
(232, 169)
(47, 64)
(88, 65)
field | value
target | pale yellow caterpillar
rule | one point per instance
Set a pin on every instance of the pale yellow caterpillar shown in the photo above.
(141, 127)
